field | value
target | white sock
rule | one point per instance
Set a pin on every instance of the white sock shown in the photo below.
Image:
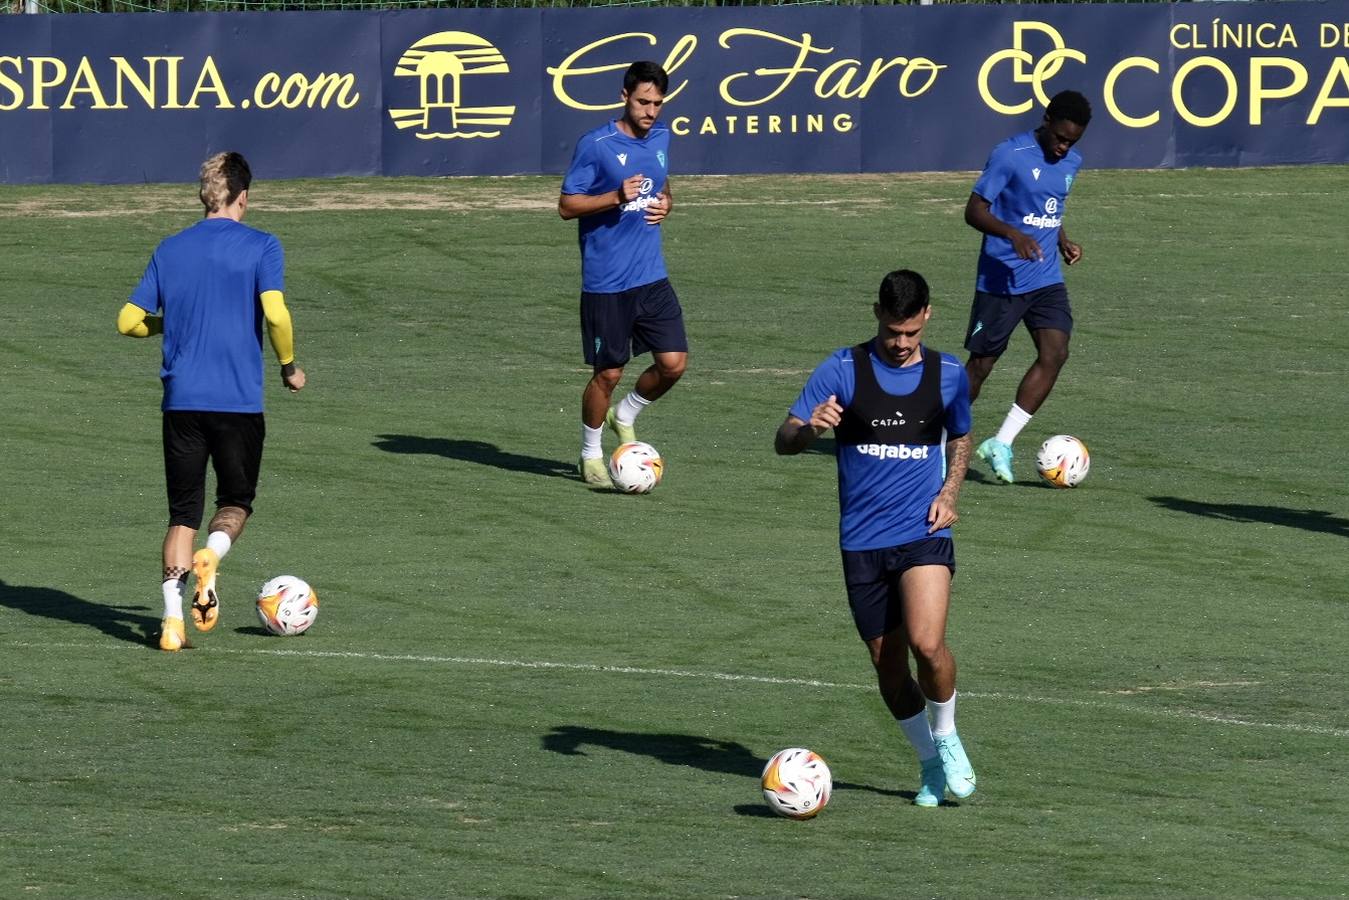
(219, 542)
(627, 409)
(919, 733)
(1012, 425)
(173, 599)
(590, 442)
(943, 716)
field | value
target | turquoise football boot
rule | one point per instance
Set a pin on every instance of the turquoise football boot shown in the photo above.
(933, 787)
(999, 456)
(955, 764)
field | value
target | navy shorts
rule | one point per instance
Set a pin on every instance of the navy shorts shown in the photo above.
(233, 444)
(994, 317)
(617, 327)
(872, 577)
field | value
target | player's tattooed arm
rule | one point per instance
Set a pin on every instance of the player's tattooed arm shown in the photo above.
(942, 513)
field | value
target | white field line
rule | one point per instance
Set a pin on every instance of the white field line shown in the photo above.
(1185, 714)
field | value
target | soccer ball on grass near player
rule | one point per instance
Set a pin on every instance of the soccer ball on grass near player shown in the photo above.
(287, 605)
(1063, 461)
(636, 468)
(796, 783)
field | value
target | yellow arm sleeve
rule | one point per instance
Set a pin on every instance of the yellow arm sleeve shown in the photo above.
(133, 321)
(278, 326)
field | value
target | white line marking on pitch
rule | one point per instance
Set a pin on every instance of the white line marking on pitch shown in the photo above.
(717, 676)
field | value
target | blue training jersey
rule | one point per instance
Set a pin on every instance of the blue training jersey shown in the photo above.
(1027, 190)
(884, 497)
(619, 250)
(208, 280)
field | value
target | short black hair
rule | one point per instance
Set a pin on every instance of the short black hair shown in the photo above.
(646, 72)
(1069, 106)
(903, 295)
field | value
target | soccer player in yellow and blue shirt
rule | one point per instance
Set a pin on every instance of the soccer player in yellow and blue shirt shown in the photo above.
(617, 186)
(1018, 204)
(209, 290)
(901, 417)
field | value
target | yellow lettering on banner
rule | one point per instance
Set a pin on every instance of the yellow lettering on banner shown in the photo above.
(775, 124)
(126, 73)
(1258, 90)
(814, 122)
(843, 122)
(751, 124)
(1178, 42)
(709, 126)
(171, 79)
(1040, 75)
(210, 73)
(1132, 62)
(84, 82)
(1178, 83)
(798, 66)
(1019, 29)
(1339, 70)
(40, 83)
(299, 90)
(1333, 35)
(680, 125)
(919, 65)
(568, 68)
(9, 84)
(1007, 109)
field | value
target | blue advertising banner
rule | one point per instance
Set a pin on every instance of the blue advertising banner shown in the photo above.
(146, 97)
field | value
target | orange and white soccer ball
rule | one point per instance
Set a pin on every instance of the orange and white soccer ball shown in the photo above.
(287, 605)
(636, 468)
(796, 783)
(1063, 461)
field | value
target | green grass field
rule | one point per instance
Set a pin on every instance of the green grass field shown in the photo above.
(521, 688)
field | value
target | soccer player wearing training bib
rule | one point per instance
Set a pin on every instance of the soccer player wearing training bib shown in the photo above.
(617, 186)
(209, 290)
(1018, 203)
(901, 418)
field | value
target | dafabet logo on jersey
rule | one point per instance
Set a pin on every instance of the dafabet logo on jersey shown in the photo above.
(442, 63)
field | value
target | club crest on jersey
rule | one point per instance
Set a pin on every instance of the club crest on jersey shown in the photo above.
(660, 157)
(1067, 182)
(622, 159)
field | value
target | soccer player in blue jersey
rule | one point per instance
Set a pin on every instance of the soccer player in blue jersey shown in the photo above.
(1018, 203)
(209, 290)
(617, 186)
(901, 418)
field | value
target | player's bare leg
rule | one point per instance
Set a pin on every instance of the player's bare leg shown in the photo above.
(226, 526)
(904, 699)
(667, 368)
(595, 400)
(1051, 353)
(927, 593)
(178, 543)
(977, 370)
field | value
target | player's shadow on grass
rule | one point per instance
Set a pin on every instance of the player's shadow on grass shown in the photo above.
(683, 750)
(121, 622)
(1305, 519)
(479, 452)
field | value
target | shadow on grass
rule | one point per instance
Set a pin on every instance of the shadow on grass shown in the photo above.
(683, 750)
(121, 622)
(1304, 519)
(479, 452)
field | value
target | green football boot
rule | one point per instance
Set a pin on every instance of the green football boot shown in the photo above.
(999, 456)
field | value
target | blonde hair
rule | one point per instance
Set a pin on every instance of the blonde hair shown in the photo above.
(223, 178)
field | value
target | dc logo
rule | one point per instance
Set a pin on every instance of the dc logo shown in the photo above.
(647, 185)
(1027, 68)
(441, 63)
(1052, 205)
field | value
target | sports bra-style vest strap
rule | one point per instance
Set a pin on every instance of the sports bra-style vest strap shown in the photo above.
(878, 417)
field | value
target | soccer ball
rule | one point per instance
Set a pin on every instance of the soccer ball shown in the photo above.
(1063, 461)
(636, 468)
(796, 783)
(287, 605)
